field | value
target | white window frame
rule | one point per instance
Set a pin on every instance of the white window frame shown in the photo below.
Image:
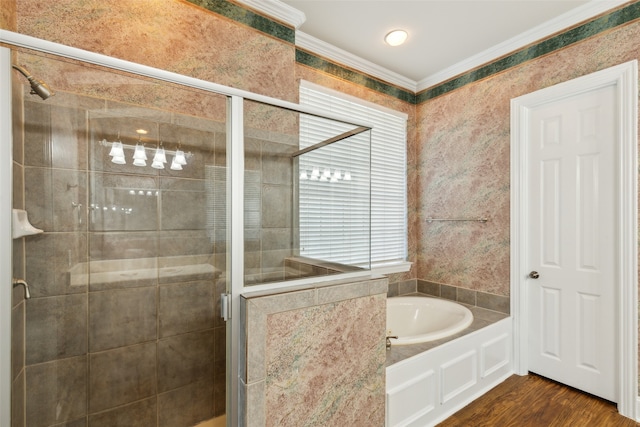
(374, 113)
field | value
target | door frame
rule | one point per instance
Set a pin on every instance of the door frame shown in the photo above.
(624, 78)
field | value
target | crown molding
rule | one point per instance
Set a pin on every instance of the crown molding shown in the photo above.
(553, 26)
(342, 57)
(295, 18)
(277, 9)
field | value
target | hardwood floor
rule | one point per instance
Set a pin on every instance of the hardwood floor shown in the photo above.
(534, 401)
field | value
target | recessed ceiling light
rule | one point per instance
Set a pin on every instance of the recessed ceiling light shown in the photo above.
(396, 37)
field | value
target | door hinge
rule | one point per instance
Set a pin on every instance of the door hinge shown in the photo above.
(225, 306)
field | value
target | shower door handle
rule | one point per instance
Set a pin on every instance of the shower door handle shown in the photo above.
(225, 306)
(78, 206)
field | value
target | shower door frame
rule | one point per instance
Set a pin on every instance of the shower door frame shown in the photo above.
(235, 203)
(6, 249)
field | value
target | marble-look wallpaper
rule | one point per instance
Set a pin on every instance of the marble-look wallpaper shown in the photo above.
(314, 357)
(326, 353)
(458, 143)
(182, 37)
(8, 15)
(463, 150)
(172, 35)
(463, 162)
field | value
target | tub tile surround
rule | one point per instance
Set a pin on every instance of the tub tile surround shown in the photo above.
(485, 300)
(309, 350)
(482, 318)
(481, 299)
(486, 308)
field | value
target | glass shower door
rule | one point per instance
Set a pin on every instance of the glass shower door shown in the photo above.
(307, 198)
(126, 176)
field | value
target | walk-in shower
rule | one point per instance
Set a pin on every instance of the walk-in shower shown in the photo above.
(123, 325)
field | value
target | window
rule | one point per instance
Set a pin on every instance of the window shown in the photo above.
(387, 183)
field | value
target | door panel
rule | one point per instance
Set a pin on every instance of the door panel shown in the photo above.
(550, 209)
(572, 234)
(552, 324)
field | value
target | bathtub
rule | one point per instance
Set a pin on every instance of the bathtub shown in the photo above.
(421, 319)
(428, 387)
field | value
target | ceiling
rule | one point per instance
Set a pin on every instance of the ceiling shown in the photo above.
(442, 33)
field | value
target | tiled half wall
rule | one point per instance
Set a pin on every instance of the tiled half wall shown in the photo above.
(315, 356)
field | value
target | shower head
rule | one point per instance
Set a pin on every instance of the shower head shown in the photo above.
(38, 87)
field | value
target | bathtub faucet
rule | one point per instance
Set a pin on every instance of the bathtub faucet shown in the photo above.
(389, 340)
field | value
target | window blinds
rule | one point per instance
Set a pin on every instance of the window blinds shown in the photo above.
(335, 217)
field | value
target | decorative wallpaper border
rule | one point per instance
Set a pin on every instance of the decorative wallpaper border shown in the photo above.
(573, 35)
(311, 60)
(608, 21)
(247, 17)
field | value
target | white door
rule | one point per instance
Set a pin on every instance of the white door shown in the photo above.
(572, 235)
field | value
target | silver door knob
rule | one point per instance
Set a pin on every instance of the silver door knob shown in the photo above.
(534, 275)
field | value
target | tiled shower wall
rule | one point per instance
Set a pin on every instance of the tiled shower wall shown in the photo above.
(103, 220)
(268, 203)
(117, 351)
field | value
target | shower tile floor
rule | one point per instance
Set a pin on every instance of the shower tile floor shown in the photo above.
(214, 422)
